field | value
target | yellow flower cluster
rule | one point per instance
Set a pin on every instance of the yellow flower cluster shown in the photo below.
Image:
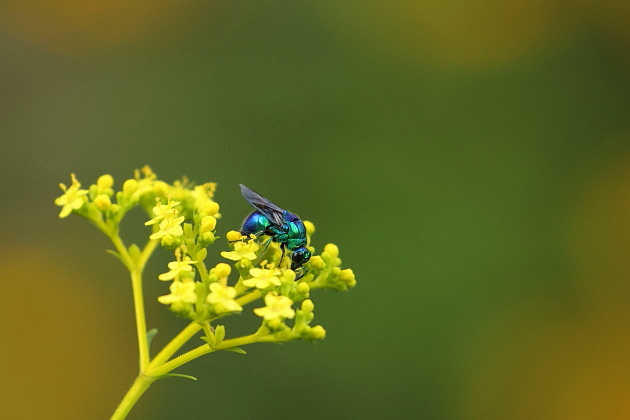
(183, 218)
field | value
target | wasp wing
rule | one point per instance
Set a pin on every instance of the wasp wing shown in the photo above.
(266, 207)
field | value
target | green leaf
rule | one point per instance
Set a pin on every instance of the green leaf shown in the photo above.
(179, 375)
(202, 254)
(219, 333)
(209, 339)
(150, 334)
(236, 350)
(134, 252)
(115, 254)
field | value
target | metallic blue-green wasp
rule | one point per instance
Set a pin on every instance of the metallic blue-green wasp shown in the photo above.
(281, 226)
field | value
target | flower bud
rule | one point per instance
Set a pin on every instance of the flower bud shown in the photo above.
(210, 208)
(233, 236)
(102, 202)
(104, 183)
(180, 307)
(317, 263)
(222, 270)
(168, 241)
(347, 276)
(208, 237)
(129, 187)
(161, 188)
(208, 223)
(275, 324)
(331, 250)
(289, 275)
(318, 332)
(308, 306)
(310, 227)
(303, 288)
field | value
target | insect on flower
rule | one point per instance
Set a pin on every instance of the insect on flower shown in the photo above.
(281, 226)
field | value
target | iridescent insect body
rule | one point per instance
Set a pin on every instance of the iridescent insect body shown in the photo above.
(281, 226)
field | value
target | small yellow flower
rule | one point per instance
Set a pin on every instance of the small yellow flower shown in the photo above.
(222, 297)
(148, 172)
(72, 198)
(169, 227)
(277, 307)
(178, 269)
(163, 211)
(263, 278)
(241, 251)
(181, 291)
(146, 182)
(170, 221)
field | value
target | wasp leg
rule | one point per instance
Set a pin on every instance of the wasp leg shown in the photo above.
(266, 246)
(262, 253)
(282, 247)
(302, 273)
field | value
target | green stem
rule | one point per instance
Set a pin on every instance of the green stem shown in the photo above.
(135, 268)
(141, 323)
(181, 360)
(175, 344)
(122, 251)
(157, 368)
(147, 252)
(142, 382)
(250, 297)
(140, 385)
(205, 349)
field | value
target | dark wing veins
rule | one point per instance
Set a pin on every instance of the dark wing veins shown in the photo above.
(266, 207)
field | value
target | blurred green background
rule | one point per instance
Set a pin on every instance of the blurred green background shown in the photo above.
(470, 159)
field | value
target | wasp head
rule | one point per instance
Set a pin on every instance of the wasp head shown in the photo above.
(300, 257)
